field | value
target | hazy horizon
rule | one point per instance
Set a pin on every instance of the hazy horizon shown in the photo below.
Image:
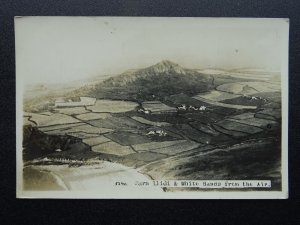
(66, 49)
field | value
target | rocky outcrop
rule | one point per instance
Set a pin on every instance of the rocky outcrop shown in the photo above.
(38, 144)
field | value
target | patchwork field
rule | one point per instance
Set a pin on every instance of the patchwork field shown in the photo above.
(216, 103)
(251, 87)
(156, 145)
(118, 123)
(60, 126)
(128, 138)
(233, 125)
(95, 140)
(235, 135)
(85, 128)
(112, 106)
(259, 160)
(53, 119)
(149, 122)
(216, 95)
(157, 107)
(93, 116)
(112, 148)
(71, 110)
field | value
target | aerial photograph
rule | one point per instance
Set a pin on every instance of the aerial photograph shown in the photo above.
(107, 102)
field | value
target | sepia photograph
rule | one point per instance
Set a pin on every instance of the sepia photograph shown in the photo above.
(152, 107)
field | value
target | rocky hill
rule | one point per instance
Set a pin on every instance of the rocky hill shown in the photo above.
(155, 82)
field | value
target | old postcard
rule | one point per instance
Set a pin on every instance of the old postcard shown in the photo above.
(141, 107)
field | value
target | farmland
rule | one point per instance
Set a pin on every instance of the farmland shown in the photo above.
(227, 131)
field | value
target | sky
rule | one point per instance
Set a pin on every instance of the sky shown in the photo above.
(64, 49)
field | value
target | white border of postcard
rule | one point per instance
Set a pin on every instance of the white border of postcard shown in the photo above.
(132, 193)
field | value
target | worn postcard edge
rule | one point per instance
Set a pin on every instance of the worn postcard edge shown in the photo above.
(132, 194)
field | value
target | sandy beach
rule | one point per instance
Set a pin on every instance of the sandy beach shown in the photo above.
(87, 177)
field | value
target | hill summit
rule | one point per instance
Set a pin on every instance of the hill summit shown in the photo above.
(160, 80)
(166, 66)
